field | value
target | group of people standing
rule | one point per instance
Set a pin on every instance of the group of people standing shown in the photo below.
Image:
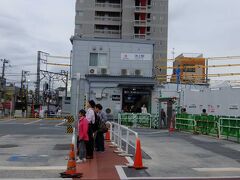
(90, 136)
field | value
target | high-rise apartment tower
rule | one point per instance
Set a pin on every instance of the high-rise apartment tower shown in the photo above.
(126, 19)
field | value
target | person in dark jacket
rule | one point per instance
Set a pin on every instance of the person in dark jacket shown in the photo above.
(99, 141)
(163, 119)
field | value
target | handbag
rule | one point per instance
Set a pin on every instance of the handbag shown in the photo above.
(103, 127)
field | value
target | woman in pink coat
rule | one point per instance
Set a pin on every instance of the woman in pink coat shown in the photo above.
(83, 135)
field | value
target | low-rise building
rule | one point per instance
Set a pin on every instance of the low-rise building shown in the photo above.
(116, 73)
(191, 69)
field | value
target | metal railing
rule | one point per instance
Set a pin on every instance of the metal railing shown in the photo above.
(186, 123)
(108, 5)
(221, 127)
(135, 119)
(106, 18)
(122, 137)
(107, 31)
(229, 127)
(143, 8)
(142, 22)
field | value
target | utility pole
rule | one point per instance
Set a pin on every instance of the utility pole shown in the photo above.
(65, 73)
(37, 95)
(23, 92)
(66, 85)
(4, 66)
(2, 89)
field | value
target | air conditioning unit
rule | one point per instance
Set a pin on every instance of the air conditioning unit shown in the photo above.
(124, 72)
(92, 70)
(138, 72)
(104, 71)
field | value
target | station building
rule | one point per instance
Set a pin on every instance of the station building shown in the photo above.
(114, 72)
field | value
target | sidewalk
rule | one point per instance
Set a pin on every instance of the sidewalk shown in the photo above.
(102, 166)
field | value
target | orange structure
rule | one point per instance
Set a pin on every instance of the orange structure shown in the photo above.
(192, 69)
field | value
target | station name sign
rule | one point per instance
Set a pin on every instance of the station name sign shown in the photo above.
(136, 56)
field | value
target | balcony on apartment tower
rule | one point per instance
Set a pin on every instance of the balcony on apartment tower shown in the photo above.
(142, 5)
(108, 5)
(107, 18)
(109, 31)
(142, 19)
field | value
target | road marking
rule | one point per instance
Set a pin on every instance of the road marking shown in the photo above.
(184, 178)
(9, 120)
(37, 178)
(43, 155)
(123, 176)
(36, 168)
(229, 169)
(32, 122)
(59, 124)
(121, 172)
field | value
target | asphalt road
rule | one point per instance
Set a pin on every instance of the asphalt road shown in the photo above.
(187, 156)
(33, 148)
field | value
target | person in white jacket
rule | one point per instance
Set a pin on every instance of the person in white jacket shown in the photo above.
(144, 109)
(90, 115)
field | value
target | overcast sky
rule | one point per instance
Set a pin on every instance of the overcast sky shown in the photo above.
(210, 27)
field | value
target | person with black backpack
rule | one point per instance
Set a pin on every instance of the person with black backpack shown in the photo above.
(90, 115)
(101, 128)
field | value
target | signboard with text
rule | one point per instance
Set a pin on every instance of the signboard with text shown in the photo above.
(116, 98)
(136, 56)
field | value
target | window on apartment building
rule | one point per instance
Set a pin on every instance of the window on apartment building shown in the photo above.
(79, 13)
(148, 16)
(148, 29)
(78, 26)
(137, 3)
(98, 59)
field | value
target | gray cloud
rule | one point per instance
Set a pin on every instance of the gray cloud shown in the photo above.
(26, 26)
(204, 26)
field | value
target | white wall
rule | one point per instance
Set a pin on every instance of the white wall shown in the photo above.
(219, 101)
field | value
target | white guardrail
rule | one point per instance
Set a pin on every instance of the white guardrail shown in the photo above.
(122, 137)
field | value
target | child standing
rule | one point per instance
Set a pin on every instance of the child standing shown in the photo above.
(83, 135)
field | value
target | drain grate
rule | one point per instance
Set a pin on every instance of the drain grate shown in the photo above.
(8, 145)
(61, 147)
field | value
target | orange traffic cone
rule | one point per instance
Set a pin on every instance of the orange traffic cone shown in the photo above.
(71, 171)
(138, 164)
(171, 128)
(107, 136)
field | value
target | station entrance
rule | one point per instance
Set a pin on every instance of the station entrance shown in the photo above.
(135, 98)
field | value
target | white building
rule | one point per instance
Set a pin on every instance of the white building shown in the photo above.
(116, 73)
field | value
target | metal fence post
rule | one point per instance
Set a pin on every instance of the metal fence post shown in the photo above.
(127, 141)
(150, 120)
(111, 131)
(118, 135)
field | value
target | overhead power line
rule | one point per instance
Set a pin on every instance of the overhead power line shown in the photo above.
(197, 66)
(214, 58)
(56, 64)
(58, 57)
(201, 75)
